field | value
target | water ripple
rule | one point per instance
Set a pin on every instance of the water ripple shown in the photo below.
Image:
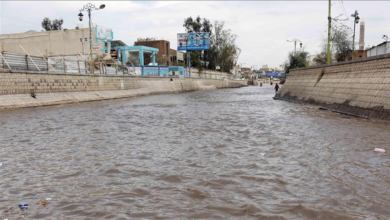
(223, 154)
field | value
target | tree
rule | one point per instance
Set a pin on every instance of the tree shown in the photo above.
(49, 25)
(340, 44)
(320, 59)
(136, 43)
(198, 25)
(162, 61)
(224, 47)
(295, 60)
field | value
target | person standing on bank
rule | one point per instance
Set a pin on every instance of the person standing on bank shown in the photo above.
(276, 88)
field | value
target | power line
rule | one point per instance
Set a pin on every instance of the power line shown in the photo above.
(20, 20)
(344, 10)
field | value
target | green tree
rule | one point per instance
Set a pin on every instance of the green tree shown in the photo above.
(49, 25)
(199, 25)
(295, 60)
(136, 43)
(224, 47)
(340, 44)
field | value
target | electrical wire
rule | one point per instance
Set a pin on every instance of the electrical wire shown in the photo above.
(344, 10)
(20, 20)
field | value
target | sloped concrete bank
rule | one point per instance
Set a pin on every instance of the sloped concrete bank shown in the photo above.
(54, 88)
(359, 87)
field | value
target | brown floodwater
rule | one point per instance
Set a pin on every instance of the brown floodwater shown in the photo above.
(222, 154)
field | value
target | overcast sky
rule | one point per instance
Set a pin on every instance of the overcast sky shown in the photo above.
(263, 27)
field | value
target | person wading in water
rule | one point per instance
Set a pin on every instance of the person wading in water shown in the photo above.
(276, 88)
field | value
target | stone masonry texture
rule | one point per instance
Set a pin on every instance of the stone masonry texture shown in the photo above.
(359, 87)
(51, 89)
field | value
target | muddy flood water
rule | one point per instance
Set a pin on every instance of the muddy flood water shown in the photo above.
(221, 154)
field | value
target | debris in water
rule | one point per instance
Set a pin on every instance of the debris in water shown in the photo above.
(1, 164)
(290, 133)
(8, 209)
(48, 199)
(23, 206)
(262, 154)
(379, 150)
(257, 127)
(42, 203)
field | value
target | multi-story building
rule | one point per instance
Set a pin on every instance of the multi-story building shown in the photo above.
(60, 42)
(165, 56)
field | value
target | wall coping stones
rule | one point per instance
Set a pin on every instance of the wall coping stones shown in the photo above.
(98, 75)
(383, 56)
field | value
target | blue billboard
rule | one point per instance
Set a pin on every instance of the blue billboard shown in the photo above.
(193, 41)
(272, 74)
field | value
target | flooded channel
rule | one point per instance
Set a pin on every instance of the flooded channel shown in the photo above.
(222, 154)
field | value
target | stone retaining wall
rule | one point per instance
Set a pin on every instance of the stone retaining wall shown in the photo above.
(50, 88)
(209, 74)
(359, 87)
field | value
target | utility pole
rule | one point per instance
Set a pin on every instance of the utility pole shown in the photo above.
(295, 44)
(295, 47)
(88, 8)
(329, 21)
(355, 21)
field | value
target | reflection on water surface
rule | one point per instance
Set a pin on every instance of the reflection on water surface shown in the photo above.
(193, 156)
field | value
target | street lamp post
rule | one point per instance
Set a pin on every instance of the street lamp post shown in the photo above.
(385, 38)
(295, 43)
(88, 7)
(356, 16)
(329, 27)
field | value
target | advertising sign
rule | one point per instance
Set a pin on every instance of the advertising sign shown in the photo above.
(180, 56)
(272, 74)
(193, 41)
(150, 71)
(218, 67)
(104, 33)
(95, 46)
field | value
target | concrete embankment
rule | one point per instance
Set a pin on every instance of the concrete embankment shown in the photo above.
(359, 87)
(52, 89)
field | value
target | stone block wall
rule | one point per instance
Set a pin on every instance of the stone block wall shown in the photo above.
(15, 87)
(209, 74)
(359, 87)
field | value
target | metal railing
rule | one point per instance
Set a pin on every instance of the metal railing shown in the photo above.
(58, 64)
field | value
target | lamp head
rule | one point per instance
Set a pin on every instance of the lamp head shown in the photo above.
(80, 16)
(102, 6)
(357, 19)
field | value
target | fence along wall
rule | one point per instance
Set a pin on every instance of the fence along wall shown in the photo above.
(79, 64)
(359, 87)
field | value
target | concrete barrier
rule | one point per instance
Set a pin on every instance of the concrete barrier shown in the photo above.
(359, 87)
(52, 89)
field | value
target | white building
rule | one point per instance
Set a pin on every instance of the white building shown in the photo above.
(383, 48)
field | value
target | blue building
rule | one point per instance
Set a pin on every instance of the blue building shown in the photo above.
(133, 56)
